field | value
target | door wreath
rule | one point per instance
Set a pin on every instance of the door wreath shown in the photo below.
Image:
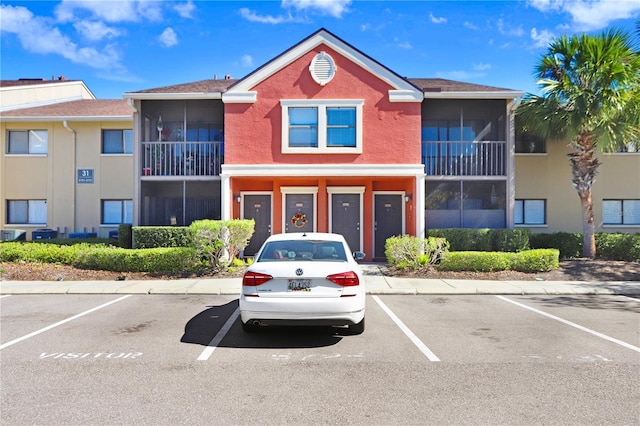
(299, 220)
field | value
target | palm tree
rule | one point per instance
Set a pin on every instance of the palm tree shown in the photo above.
(590, 89)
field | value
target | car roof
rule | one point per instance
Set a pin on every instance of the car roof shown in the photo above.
(302, 236)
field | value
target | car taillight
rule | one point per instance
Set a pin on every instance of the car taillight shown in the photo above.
(345, 279)
(255, 278)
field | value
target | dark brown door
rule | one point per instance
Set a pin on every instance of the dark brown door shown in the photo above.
(258, 208)
(387, 220)
(345, 218)
(299, 213)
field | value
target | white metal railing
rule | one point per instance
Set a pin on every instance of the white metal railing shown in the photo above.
(480, 158)
(182, 158)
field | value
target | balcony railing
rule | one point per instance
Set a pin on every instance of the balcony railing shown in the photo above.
(182, 158)
(481, 158)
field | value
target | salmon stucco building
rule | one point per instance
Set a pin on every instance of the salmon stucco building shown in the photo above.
(320, 138)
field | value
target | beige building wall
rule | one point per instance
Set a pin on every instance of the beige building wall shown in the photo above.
(71, 206)
(548, 176)
(40, 94)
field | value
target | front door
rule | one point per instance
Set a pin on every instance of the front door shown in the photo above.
(387, 220)
(298, 214)
(345, 218)
(258, 208)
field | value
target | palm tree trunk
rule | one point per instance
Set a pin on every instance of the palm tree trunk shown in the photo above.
(588, 227)
(584, 168)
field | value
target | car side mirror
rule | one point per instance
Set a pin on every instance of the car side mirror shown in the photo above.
(358, 255)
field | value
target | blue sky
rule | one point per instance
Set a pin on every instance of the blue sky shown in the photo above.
(124, 46)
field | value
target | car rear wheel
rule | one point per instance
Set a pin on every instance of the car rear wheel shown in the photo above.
(357, 328)
(249, 327)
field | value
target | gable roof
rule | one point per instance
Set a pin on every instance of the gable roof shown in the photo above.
(406, 89)
(80, 110)
(403, 90)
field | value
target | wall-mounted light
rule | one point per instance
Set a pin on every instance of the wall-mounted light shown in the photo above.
(408, 197)
(237, 197)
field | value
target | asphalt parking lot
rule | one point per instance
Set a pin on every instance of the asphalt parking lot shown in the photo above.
(184, 359)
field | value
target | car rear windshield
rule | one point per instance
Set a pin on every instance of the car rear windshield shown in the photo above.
(303, 250)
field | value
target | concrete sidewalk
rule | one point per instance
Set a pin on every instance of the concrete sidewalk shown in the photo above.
(375, 283)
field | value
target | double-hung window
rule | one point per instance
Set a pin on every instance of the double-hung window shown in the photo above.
(26, 212)
(27, 142)
(321, 127)
(621, 212)
(117, 141)
(530, 212)
(115, 212)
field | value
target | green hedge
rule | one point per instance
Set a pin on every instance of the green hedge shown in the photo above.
(43, 253)
(480, 261)
(618, 247)
(463, 239)
(569, 243)
(161, 260)
(161, 236)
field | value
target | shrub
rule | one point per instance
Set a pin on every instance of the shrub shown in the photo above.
(43, 253)
(408, 251)
(479, 261)
(569, 244)
(462, 239)
(161, 236)
(125, 235)
(161, 260)
(220, 241)
(539, 260)
(523, 261)
(618, 247)
(510, 239)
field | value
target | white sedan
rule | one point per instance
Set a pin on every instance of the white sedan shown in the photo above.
(304, 279)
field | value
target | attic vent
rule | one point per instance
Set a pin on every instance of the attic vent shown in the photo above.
(322, 68)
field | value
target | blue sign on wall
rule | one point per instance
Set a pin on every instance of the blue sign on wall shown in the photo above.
(85, 175)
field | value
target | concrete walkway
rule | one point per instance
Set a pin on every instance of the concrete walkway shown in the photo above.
(375, 283)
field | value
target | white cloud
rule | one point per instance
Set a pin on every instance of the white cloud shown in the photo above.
(168, 38)
(185, 10)
(507, 30)
(542, 38)
(252, 16)
(246, 60)
(590, 15)
(405, 45)
(39, 35)
(437, 20)
(121, 11)
(471, 26)
(335, 8)
(481, 67)
(96, 30)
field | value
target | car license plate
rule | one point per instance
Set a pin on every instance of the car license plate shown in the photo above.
(299, 285)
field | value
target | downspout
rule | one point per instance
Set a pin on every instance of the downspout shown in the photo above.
(511, 161)
(65, 123)
(136, 160)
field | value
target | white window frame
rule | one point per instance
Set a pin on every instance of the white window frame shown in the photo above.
(34, 208)
(322, 106)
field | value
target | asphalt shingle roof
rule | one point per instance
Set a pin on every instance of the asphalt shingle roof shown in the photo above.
(80, 108)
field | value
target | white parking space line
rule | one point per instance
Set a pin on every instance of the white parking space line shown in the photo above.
(5, 295)
(416, 341)
(572, 324)
(206, 353)
(42, 330)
